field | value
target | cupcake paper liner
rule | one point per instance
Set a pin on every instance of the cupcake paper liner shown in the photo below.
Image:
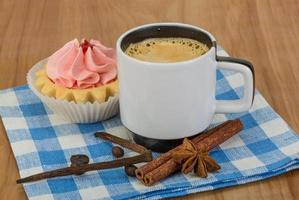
(71, 111)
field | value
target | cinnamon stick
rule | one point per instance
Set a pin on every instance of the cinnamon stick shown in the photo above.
(217, 136)
(163, 158)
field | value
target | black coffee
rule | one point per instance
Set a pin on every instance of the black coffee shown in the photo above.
(166, 50)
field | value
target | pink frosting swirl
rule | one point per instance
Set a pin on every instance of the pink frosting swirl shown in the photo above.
(85, 65)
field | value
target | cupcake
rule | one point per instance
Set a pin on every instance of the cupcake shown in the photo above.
(79, 81)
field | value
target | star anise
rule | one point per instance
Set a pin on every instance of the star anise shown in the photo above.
(192, 158)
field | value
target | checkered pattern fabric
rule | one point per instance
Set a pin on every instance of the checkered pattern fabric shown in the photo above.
(43, 141)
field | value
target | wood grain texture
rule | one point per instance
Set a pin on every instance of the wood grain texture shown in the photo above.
(265, 32)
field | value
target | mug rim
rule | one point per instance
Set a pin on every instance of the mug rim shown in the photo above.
(121, 51)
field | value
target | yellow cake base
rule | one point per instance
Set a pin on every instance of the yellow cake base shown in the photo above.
(99, 94)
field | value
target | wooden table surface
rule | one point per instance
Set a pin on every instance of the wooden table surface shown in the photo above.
(265, 32)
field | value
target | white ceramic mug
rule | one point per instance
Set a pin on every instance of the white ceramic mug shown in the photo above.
(175, 100)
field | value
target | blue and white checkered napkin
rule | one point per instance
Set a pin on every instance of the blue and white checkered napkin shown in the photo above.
(43, 141)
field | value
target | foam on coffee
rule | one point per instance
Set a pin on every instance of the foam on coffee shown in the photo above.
(166, 50)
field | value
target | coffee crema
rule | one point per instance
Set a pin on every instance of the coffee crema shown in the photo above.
(166, 50)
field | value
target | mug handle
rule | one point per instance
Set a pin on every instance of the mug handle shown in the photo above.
(247, 71)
